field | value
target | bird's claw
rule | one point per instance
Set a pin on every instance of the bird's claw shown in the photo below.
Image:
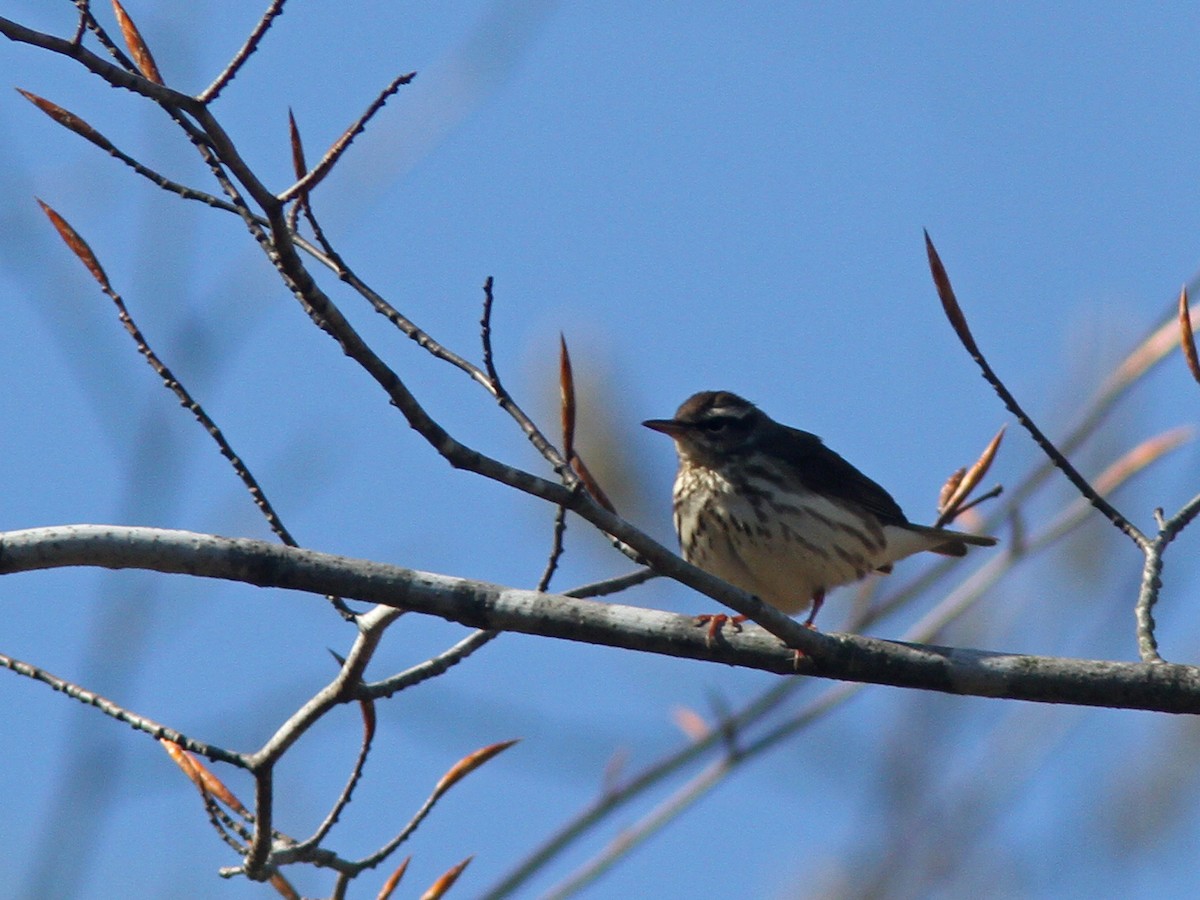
(715, 622)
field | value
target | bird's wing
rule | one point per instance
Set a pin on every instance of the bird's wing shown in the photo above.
(825, 472)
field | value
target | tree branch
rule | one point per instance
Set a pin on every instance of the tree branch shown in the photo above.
(1161, 687)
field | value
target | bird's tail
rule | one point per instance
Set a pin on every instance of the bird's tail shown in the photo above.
(956, 541)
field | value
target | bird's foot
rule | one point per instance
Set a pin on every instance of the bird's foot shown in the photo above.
(818, 601)
(715, 622)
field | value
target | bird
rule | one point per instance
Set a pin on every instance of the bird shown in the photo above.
(773, 511)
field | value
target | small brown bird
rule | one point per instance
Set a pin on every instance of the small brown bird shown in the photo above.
(775, 512)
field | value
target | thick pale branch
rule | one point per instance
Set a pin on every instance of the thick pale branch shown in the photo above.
(1161, 687)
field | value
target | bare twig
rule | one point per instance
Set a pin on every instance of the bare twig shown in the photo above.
(556, 549)
(172, 383)
(88, 22)
(69, 120)
(247, 49)
(485, 337)
(82, 24)
(121, 714)
(331, 157)
(368, 716)
(430, 668)
(611, 586)
(235, 835)
(457, 772)
(959, 322)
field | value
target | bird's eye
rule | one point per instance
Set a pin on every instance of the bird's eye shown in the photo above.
(715, 426)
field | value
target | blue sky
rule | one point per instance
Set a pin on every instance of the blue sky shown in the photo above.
(701, 196)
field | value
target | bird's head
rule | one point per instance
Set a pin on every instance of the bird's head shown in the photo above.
(713, 426)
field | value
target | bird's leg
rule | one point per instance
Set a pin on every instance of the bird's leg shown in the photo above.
(716, 621)
(818, 601)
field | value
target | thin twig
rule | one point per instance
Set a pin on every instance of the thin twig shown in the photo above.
(234, 834)
(89, 22)
(611, 586)
(430, 668)
(257, 854)
(959, 322)
(121, 714)
(169, 380)
(556, 549)
(82, 24)
(457, 772)
(367, 706)
(331, 157)
(247, 49)
(485, 336)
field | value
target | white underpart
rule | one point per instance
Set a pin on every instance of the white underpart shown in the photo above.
(787, 557)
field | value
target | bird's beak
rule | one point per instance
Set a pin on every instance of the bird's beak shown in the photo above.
(666, 426)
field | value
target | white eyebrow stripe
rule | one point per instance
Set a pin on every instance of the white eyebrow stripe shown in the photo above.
(731, 412)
